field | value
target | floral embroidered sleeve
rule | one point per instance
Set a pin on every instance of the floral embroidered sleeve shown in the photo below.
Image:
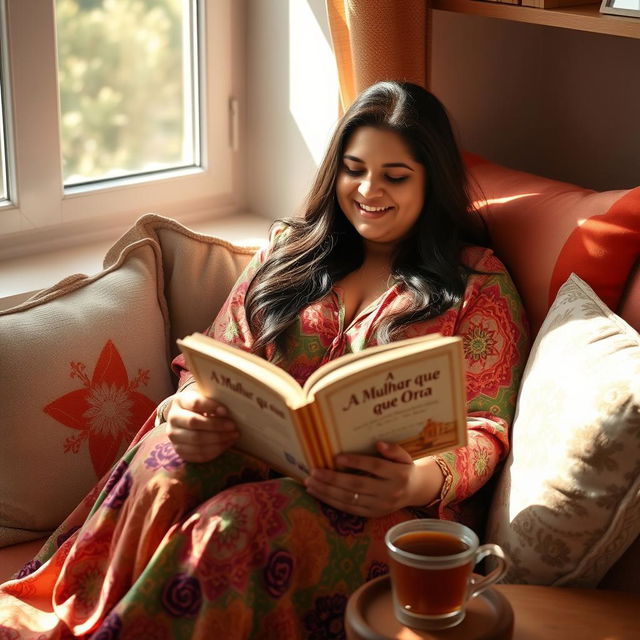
(493, 327)
(231, 325)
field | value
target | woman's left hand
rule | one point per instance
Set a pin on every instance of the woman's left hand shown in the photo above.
(388, 483)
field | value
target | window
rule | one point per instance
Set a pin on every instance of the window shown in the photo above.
(4, 190)
(119, 107)
(4, 120)
(127, 77)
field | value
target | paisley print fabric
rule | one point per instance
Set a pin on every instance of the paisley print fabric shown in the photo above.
(167, 549)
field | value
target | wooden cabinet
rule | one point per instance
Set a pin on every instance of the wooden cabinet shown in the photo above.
(585, 17)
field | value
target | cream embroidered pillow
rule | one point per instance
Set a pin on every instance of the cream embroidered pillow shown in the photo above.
(199, 271)
(82, 365)
(567, 504)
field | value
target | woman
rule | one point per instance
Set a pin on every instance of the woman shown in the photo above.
(189, 537)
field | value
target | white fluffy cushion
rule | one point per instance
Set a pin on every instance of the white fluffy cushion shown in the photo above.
(568, 502)
(82, 365)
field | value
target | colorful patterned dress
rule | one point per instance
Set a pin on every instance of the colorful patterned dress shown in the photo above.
(167, 550)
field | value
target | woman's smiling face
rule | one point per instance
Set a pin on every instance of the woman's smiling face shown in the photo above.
(380, 186)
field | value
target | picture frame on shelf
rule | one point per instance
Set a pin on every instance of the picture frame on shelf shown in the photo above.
(630, 8)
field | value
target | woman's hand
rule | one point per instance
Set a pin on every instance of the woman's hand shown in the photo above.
(199, 428)
(388, 484)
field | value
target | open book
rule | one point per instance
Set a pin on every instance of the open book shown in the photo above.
(411, 392)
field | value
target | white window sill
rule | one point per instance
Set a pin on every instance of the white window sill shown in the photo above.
(23, 276)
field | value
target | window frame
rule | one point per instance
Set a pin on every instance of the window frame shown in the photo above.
(5, 108)
(42, 213)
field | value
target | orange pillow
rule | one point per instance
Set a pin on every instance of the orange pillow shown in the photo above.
(544, 229)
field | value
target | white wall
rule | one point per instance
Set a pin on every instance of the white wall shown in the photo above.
(552, 101)
(292, 101)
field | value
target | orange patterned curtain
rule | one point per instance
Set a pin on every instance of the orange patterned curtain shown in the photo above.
(377, 40)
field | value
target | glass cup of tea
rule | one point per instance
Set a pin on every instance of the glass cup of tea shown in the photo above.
(432, 577)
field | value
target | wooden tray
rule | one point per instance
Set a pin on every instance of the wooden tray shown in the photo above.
(369, 616)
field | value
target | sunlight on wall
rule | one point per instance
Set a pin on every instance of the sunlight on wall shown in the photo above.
(478, 204)
(313, 79)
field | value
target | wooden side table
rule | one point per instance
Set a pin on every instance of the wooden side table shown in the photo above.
(562, 613)
(505, 612)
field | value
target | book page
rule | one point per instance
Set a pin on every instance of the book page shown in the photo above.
(253, 365)
(333, 365)
(266, 423)
(417, 401)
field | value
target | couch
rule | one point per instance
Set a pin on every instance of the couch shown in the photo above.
(84, 362)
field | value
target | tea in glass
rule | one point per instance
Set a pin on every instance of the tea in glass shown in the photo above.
(432, 578)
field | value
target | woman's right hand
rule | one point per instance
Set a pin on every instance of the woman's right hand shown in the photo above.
(199, 428)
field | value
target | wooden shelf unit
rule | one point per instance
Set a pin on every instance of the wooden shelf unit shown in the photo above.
(585, 17)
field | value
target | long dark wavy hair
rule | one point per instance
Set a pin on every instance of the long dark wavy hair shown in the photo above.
(321, 247)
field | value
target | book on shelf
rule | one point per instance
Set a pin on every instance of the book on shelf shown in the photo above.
(410, 392)
(504, 1)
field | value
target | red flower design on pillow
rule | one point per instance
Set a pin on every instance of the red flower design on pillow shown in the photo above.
(107, 411)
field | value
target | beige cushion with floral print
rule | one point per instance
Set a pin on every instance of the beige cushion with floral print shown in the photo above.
(82, 365)
(199, 271)
(568, 502)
